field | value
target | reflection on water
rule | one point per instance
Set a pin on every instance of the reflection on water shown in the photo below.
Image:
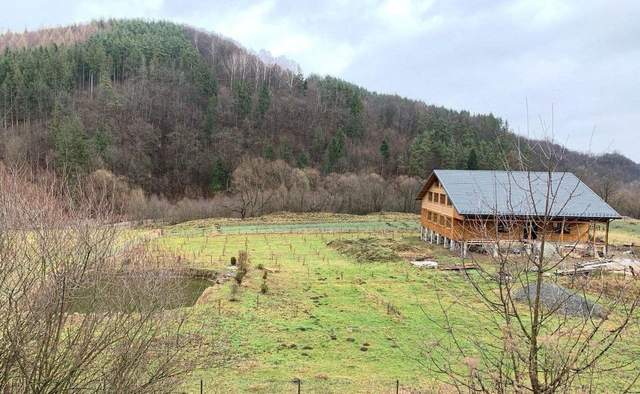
(136, 293)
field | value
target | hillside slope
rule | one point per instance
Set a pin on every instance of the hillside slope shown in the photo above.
(174, 109)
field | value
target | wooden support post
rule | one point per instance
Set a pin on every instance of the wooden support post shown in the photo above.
(463, 243)
(595, 251)
(606, 239)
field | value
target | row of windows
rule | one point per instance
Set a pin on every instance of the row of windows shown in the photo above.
(438, 198)
(435, 218)
(446, 221)
(558, 228)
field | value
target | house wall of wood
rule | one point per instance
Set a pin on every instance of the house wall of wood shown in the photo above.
(563, 231)
(439, 215)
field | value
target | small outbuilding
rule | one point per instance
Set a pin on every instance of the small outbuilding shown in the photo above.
(465, 207)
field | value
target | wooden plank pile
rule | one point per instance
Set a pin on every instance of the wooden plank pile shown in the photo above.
(624, 266)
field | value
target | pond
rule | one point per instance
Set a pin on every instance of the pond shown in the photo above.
(133, 293)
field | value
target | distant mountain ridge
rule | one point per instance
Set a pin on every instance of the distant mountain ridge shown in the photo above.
(173, 109)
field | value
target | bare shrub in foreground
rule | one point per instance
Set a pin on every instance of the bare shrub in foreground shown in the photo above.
(63, 327)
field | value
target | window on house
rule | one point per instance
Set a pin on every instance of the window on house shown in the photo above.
(430, 196)
(448, 222)
(435, 218)
(562, 228)
(443, 199)
(442, 220)
(428, 216)
(503, 227)
(448, 201)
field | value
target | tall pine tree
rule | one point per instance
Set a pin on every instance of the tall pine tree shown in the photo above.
(335, 151)
(264, 101)
(70, 146)
(472, 160)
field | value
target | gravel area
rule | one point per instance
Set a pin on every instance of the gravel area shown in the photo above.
(561, 300)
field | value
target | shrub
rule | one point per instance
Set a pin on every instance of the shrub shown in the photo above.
(233, 260)
(264, 288)
(240, 274)
(243, 266)
(233, 292)
(243, 259)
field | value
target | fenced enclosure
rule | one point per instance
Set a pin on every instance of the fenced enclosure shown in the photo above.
(319, 384)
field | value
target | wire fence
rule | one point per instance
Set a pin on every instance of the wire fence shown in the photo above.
(300, 385)
(284, 228)
(318, 227)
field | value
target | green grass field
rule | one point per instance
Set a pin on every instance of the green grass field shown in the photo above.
(337, 324)
(625, 231)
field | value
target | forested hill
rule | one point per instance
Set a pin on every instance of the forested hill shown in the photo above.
(174, 109)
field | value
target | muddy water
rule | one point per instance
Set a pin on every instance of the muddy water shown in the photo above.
(131, 294)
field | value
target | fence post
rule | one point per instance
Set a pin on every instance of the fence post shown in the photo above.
(299, 383)
(201, 387)
(397, 386)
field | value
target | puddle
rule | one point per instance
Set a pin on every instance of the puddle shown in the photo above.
(137, 293)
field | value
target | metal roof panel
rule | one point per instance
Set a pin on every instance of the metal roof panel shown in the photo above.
(522, 193)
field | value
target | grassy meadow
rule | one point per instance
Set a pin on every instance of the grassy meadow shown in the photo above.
(625, 232)
(335, 321)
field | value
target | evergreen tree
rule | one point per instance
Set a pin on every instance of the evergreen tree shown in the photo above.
(105, 87)
(264, 101)
(472, 160)
(384, 151)
(220, 176)
(71, 146)
(421, 158)
(241, 100)
(335, 151)
(269, 153)
(302, 161)
(211, 116)
(354, 126)
(286, 152)
(101, 142)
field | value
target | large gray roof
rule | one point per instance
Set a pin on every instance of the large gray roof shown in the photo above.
(522, 193)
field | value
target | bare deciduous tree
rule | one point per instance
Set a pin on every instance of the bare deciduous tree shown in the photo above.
(64, 326)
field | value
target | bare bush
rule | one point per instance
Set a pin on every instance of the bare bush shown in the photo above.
(260, 187)
(57, 334)
(243, 266)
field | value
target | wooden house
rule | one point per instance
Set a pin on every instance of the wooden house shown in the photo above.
(463, 207)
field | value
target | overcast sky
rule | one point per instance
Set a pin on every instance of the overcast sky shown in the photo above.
(580, 57)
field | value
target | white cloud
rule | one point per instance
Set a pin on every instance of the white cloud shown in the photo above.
(100, 9)
(540, 13)
(406, 16)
